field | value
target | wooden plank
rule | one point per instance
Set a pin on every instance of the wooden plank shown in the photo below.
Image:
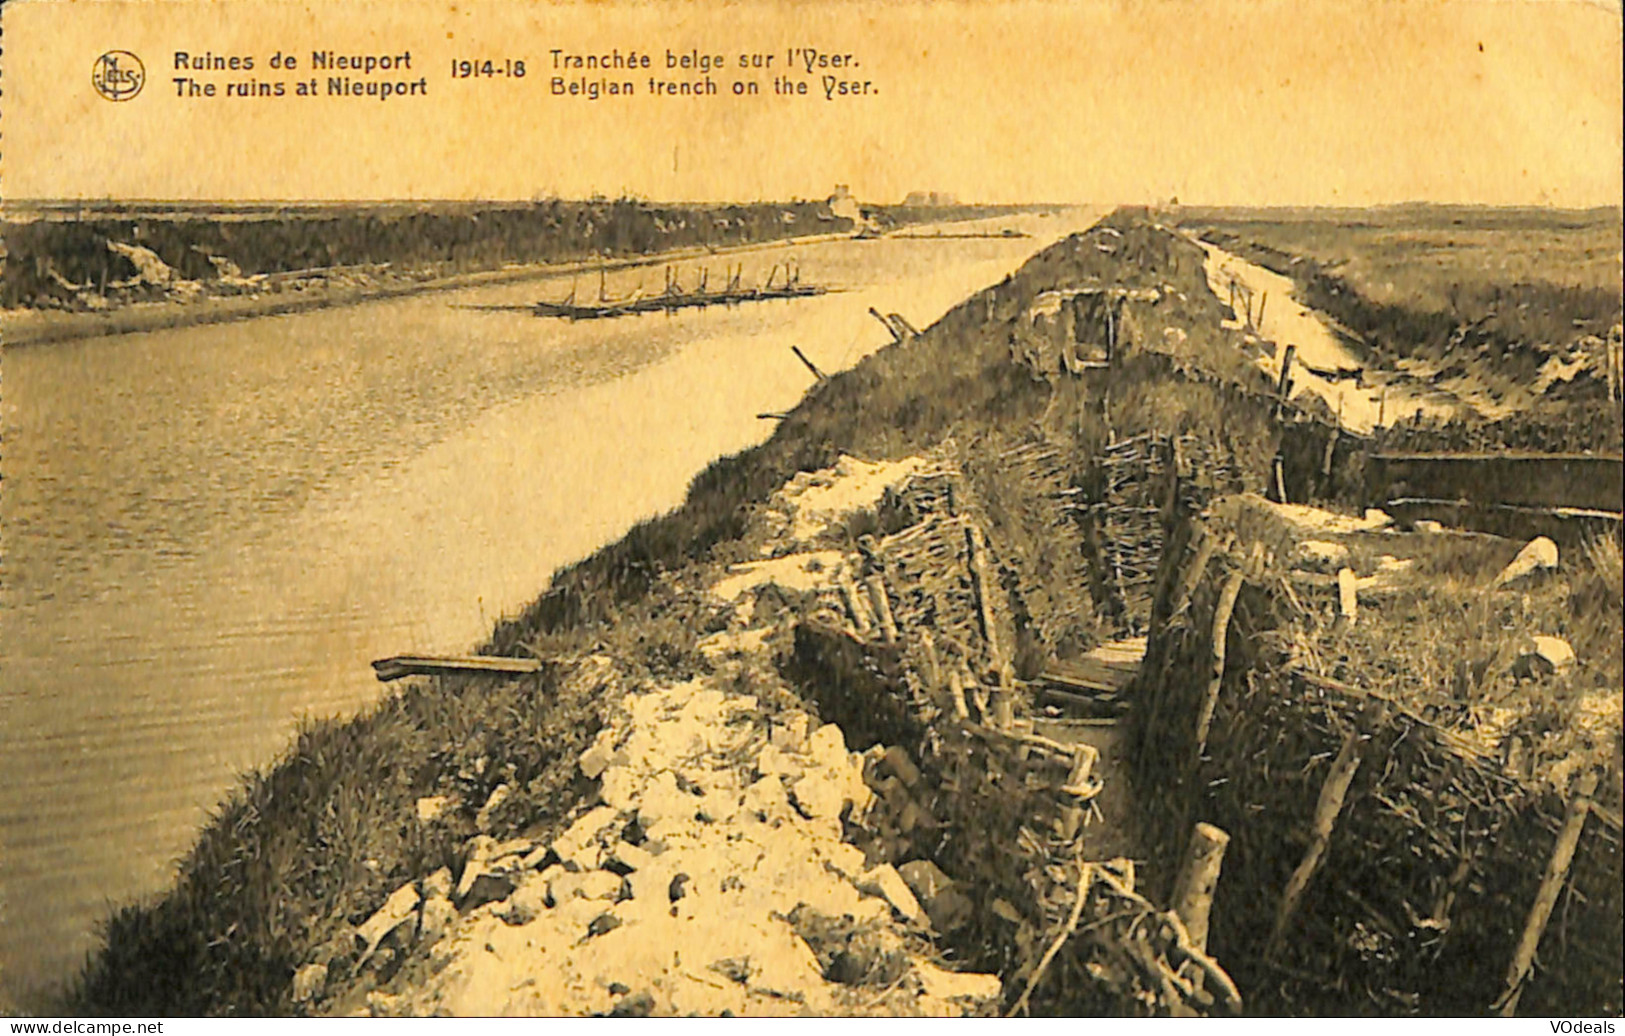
(395, 668)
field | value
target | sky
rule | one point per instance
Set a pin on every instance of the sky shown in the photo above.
(1222, 102)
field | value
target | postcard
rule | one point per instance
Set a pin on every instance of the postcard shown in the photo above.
(796, 508)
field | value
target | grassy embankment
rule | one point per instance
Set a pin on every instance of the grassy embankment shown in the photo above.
(1491, 292)
(312, 845)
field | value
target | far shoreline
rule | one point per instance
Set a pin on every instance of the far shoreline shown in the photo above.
(26, 327)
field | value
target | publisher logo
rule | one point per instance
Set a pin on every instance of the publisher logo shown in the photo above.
(118, 75)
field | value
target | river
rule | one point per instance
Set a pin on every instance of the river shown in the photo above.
(210, 531)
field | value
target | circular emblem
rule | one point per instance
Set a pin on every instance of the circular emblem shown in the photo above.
(118, 75)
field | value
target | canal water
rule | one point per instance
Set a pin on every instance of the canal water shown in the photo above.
(210, 531)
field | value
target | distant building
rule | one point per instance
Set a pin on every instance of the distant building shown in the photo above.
(935, 199)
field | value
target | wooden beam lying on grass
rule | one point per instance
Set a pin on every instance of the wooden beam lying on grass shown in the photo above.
(1557, 869)
(394, 668)
(1327, 808)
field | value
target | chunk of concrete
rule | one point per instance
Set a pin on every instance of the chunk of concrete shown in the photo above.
(1323, 554)
(827, 746)
(923, 878)
(944, 902)
(528, 902)
(664, 799)
(434, 808)
(818, 796)
(435, 918)
(487, 887)
(957, 985)
(400, 908)
(791, 730)
(580, 842)
(772, 761)
(1538, 557)
(885, 882)
(1543, 656)
(437, 884)
(623, 855)
(478, 854)
(308, 983)
(499, 795)
(767, 797)
(897, 759)
(598, 756)
(585, 885)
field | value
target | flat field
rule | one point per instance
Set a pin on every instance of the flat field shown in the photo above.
(1521, 304)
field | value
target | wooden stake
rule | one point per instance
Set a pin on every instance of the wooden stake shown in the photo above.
(1557, 869)
(895, 337)
(1348, 597)
(1221, 633)
(956, 693)
(1327, 808)
(933, 667)
(820, 375)
(984, 595)
(1193, 575)
(881, 604)
(854, 608)
(1285, 382)
(1193, 889)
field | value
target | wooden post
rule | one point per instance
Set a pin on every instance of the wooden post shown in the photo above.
(881, 603)
(854, 607)
(1348, 597)
(1327, 808)
(1263, 299)
(933, 667)
(956, 693)
(1285, 381)
(1193, 574)
(1198, 876)
(1170, 501)
(984, 596)
(1221, 633)
(1111, 331)
(1331, 449)
(1557, 869)
(1083, 765)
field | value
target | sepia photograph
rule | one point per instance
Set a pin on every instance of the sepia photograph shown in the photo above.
(1007, 509)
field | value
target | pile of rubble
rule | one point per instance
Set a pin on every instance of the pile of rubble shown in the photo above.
(711, 877)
